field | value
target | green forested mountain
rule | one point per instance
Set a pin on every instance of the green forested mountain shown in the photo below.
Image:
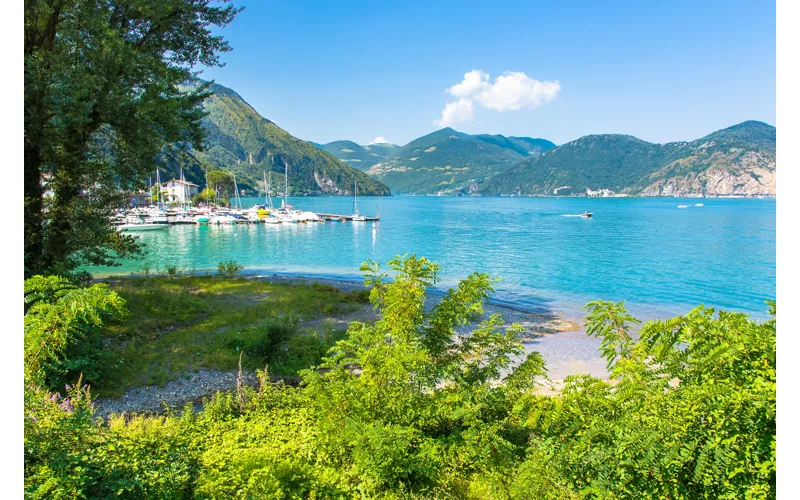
(451, 162)
(526, 146)
(383, 149)
(357, 156)
(240, 140)
(738, 160)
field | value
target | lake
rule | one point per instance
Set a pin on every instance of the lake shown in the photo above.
(661, 259)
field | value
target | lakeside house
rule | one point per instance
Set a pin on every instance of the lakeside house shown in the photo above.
(179, 191)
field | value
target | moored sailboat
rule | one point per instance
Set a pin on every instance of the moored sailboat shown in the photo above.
(357, 216)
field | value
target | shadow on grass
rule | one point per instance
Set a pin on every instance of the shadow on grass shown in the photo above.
(184, 323)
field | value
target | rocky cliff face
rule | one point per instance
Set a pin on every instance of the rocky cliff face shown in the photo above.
(736, 172)
(736, 161)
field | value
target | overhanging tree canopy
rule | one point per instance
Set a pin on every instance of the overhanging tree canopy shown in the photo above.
(102, 99)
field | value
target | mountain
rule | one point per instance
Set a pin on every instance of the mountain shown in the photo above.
(525, 146)
(357, 156)
(739, 160)
(240, 140)
(448, 161)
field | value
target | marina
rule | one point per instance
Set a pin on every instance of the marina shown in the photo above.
(175, 208)
(151, 218)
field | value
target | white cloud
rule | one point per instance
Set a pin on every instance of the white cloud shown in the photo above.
(511, 91)
(456, 111)
(378, 140)
(475, 81)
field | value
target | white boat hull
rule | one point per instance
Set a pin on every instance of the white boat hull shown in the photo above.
(142, 227)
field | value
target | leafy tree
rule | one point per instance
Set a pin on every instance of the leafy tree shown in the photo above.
(102, 98)
(221, 182)
(206, 196)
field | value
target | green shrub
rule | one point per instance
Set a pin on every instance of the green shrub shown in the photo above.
(265, 342)
(302, 351)
(404, 408)
(360, 296)
(62, 329)
(173, 271)
(229, 268)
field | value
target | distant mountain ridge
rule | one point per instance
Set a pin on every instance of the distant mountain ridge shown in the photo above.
(736, 161)
(442, 162)
(358, 156)
(240, 140)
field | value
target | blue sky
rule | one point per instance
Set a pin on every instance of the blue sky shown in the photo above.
(659, 70)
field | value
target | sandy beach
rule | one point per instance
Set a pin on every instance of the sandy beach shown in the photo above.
(561, 341)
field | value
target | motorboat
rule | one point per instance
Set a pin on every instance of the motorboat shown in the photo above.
(240, 219)
(287, 216)
(586, 215)
(134, 223)
(223, 218)
(309, 217)
(156, 216)
(184, 217)
(142, 226)
(683, 206)
(253, 218)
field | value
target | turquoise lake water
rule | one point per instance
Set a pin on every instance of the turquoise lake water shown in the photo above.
(660, 259)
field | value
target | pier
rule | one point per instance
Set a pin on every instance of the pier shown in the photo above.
(346, 218)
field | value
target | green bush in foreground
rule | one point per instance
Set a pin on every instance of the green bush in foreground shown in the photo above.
(229, 268)
(405, 408)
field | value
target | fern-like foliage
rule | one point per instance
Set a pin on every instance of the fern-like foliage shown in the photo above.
(58, 314)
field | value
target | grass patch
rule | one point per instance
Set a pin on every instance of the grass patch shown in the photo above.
(177, 324)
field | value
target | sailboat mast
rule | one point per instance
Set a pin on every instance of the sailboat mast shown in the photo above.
(236, 187)
(269, 191)
(183, 192)
(160, 194)
(286, 184)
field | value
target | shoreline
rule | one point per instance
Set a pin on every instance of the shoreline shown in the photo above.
(562, 342)
(571, 311)
(345, 282)
(349, 284)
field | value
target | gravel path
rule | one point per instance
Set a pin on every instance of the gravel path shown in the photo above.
(176, 393)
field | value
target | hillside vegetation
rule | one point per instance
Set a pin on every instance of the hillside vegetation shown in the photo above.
(357, 156)
(451, 162)
(240, 140)
(738, 160)
(406, 408)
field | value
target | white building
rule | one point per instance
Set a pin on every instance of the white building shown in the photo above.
(178, 191)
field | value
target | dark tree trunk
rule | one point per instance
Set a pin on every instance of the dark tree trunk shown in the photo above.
(36, 40)
(33, 208)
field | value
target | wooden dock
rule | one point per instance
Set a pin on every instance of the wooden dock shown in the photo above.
(345, 218)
